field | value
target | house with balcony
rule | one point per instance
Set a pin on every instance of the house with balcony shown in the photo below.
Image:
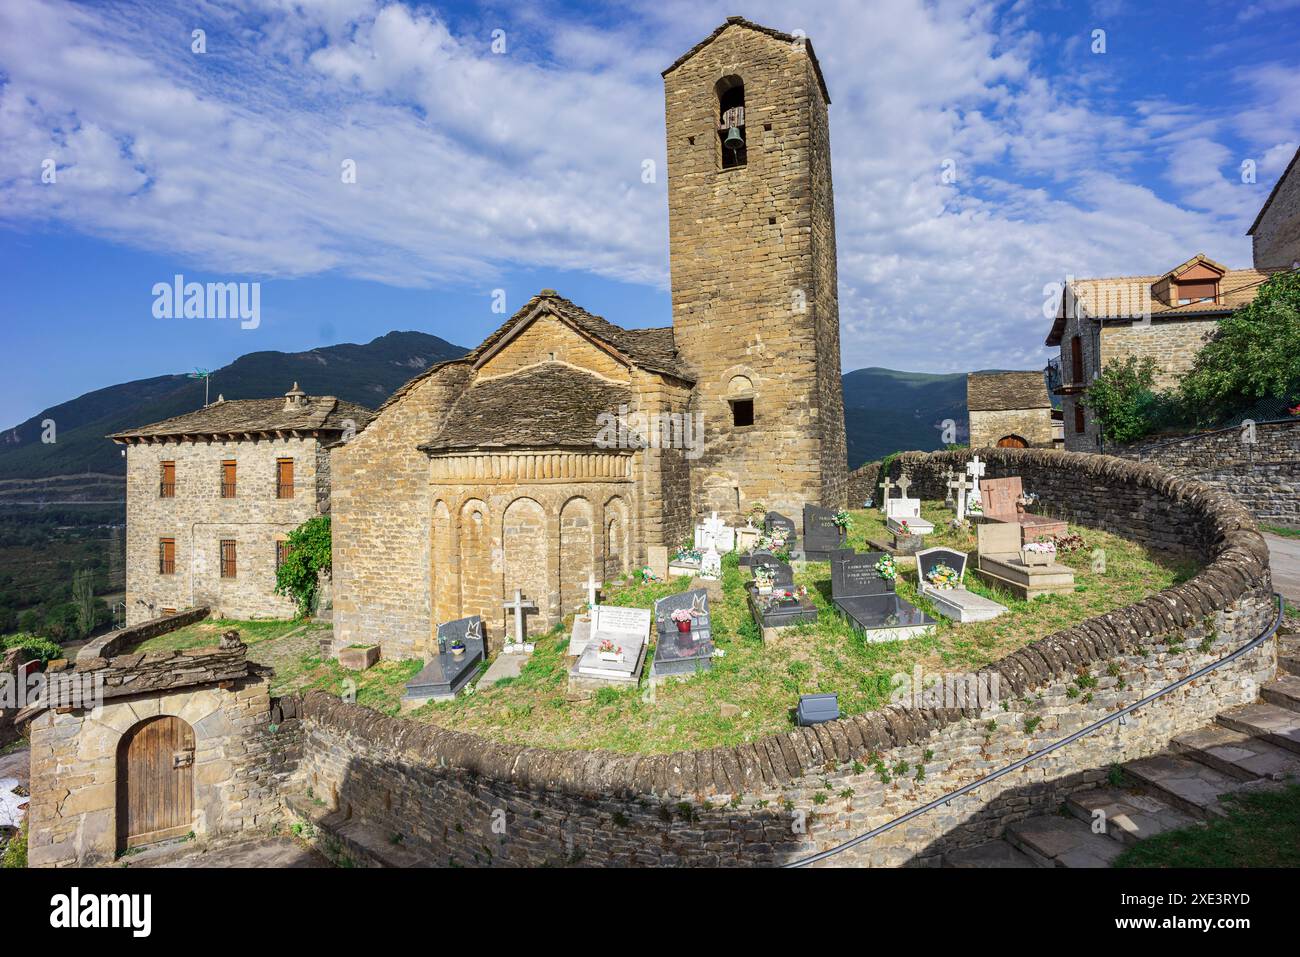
(1168, 317)
(212, 495)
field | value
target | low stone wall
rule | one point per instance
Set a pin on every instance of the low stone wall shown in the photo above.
(124, 639)
(1259, 467)
(862, 484)
(455, 798)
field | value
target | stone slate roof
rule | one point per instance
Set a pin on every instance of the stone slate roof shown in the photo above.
(227, 416)
(1237, 287)
(552, 405)
(1002, 391)
(653, 349)
(775, 34)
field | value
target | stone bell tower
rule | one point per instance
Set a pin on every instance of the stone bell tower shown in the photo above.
(752, 245)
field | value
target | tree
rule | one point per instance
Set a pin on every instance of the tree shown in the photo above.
(1254, 354)
(1122, 398)
(308, 558)
(83, 596)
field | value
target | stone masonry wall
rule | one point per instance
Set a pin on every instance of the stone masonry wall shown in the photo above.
(1032, 425)
(1260, 468)
(753, 277)
(1275, 242)
(198, 519)
(242, 757)
(449, 794)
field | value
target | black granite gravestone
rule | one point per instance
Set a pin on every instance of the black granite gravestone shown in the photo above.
(931, 558)
(682, 652)
(820, 533)
(867, 599)
(446, 674)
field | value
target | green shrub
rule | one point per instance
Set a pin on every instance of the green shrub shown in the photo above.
(34, 645)
(308, 557)
(1123, 400)
(15, 852)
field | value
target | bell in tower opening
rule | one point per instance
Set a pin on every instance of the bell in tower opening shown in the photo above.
(731, 121)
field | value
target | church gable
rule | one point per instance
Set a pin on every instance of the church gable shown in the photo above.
(545, 337)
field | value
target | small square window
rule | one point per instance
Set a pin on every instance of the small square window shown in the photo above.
(742, 412)
(771, 220)
(767, 127)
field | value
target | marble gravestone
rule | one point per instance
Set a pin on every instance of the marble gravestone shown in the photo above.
(628, 629)
(773, 522)
(1001, 497)
(445, 674)
(682, 653)
(820, 533)
(868, 600)
(1002, 565)
(714, 530)
(956, 603)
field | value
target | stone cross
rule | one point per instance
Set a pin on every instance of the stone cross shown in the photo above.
(947, 483)
(975, 469)
(519, 607)
(593, 589)
(886, 486)
(904, 483)
(960, 486)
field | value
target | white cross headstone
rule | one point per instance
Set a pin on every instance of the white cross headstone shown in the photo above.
(711, 563)
(885, 487)
(519, 607)
(593, 590)
(960, 486)
(714, 526)
(975, 469)
(904, 483)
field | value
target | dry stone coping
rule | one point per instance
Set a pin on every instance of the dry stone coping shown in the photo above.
(1237, 565)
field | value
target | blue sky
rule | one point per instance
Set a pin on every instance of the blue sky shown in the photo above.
(521, 168)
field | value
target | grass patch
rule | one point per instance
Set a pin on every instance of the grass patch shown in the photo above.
(1262, 829)
(208, 632)
(1282, 530)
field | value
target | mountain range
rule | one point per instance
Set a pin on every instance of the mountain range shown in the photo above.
(885, 410)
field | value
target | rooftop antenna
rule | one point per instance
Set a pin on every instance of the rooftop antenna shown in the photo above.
(205, 375)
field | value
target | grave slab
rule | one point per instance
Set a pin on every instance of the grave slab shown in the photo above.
(956, 602)
(445, 674)
(680, 654)
(868, 600)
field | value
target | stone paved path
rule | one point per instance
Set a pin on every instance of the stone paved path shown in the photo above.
(1284, 559)
(259, 853)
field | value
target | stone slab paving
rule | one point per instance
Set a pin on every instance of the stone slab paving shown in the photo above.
(505, 666)
(1128, 815)
(1284, 560)
(994, 854)
(1283, 691)
(1275, 725)
(1058, 841)
(1188, 785)
(278, 852)
(1238, 755)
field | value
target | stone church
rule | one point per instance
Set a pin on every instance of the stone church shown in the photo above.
(500, 471)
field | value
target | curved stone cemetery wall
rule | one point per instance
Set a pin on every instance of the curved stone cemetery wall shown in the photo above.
(459, 798)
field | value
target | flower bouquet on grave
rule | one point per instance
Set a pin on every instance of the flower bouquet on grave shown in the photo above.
(608, 651)
(842, 520)
(647, 575)
(763, 579)
(682, 618)
(904, 529)
(757, 512)
(943, 577)
(973, 506)
(687, 554)
(1041, 551)
(886, 568)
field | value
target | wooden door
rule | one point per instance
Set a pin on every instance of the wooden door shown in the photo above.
(1012, 442)
(155, 782)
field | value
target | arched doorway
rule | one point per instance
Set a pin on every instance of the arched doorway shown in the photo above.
(155, 782)
(1012, 442)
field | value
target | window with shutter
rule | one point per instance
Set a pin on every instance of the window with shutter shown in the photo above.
(167, 481)
(228, 478)
(166, 556)
(284, 478)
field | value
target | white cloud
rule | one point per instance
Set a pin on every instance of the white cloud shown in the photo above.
(472, 163)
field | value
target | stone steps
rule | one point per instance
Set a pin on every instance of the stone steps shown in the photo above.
(1187, 785)
(1056, 840)
(1267, 721)
(1236, 754)
(1283, 691)
(1288, 653)
(994, 854)
(363, 845)
(1129, 816)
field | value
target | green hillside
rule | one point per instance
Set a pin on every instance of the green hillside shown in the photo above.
(365, 374)
(889, 411)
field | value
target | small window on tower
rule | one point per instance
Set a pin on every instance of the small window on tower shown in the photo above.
(742, 412)
(731, 121)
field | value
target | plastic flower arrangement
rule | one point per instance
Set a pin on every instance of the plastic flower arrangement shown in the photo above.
(904, 528)
(1041, 546)
(974, 507)
(687, 554)
(842, 520)
(887, 569)
(608, 647)
(681, 614)
(943, 577)
(647, 575)
(763, 577)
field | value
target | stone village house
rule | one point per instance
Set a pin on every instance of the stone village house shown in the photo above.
(1009, 409)
(212, 495)
(496, 472)
(1275, 234)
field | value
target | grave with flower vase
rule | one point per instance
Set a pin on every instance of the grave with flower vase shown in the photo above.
(941, 576)
(904, 521)
(1004, 501)
(823, 530)
(1027, 570)
(862, 588)
(778, 536)
(683, 636)
(776, 602)
(715, 530)
(615, 653)
(455, 661)
(686, 561)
